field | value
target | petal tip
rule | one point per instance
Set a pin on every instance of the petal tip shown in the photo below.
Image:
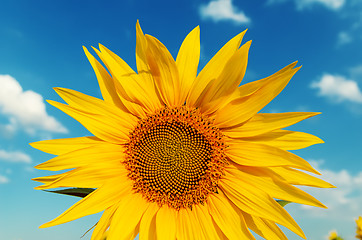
(38, 187)
(102, 48)
(39, 166)
(57, 89)
(45, 225)
(51, 102)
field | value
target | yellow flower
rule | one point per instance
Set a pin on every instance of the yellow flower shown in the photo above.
(333, 235)
(359, 228)
(181, 155)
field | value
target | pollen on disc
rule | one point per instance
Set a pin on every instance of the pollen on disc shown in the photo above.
(175, 157)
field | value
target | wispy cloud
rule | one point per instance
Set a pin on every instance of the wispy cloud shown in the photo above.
(348, 192)
(304, 4)
(343, 202)
(345, 9)
(4, 179)
(344, 38)
(14, 157)
(331, 4)
(356, 72)
(25, 109)
(223, 10)
(338, 88)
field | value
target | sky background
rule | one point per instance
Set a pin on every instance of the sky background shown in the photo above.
(41, 48)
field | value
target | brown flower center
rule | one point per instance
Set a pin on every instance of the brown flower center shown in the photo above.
(176, 157)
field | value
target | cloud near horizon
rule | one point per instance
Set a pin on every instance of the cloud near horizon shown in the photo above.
(223, 10)
(25, 109)
(343, 202)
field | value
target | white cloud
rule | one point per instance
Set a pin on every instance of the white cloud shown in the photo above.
(25, 109)
(14, 157)
(4, 179)
(338, 88)
(343, 202)
(356, 72)
(302, 4)
(219, 10)
(331, 4)
(347, 195)
(344, 38)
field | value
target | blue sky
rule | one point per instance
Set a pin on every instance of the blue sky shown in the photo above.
(41, 48)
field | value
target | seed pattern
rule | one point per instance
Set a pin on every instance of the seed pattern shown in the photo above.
(176, 157)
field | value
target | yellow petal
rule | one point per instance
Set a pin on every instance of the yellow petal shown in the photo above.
(188, 226)
(65, 145)
(274, 188)
(225, 84)
(127, 217)
(85, 156)
(260, 155)
(103, 223)
(266, 122)
(286, 140)
(95, 202)
(126, 103)
(296, 177)
(210, 230)
(256, 202)
(148, 223)
(243, 108)
(143, 69)
(213, 69)
(91, 176)
(166, 223)
(105, 81)
(93, 105)
(226, 216)
(127, 82)
(49, 179)
(102, 126)
(251, 87)
(265, 228)
(164, 72)
(187, 61)
(133, 108)
(141, 59)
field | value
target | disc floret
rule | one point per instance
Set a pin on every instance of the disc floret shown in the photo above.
(176, 157)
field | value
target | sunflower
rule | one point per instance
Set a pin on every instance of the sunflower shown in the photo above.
(181, 155)
(333, 236)
(359, 228)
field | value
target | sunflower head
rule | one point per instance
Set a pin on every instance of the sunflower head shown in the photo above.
(176, 157)
(176, 154)
(334, 236)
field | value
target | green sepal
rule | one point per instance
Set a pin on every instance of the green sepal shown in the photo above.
(283, 202)
(337, 238)
(77, 192)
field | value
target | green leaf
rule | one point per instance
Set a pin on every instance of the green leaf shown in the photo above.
(283, 202)
(78, 192)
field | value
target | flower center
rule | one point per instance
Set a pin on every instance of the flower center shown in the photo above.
(176, 157)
